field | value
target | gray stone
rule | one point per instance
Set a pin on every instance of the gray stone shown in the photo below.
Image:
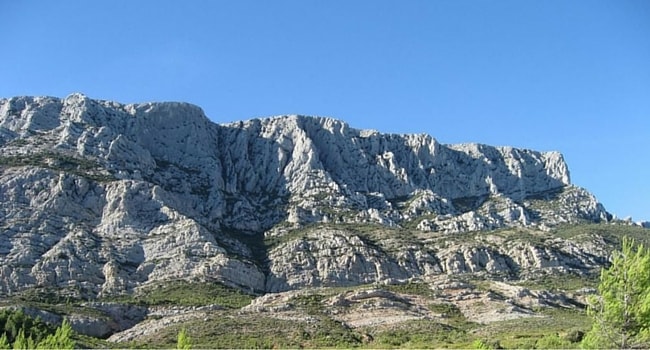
(98, 198)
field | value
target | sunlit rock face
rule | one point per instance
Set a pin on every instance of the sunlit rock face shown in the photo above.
(98, 198)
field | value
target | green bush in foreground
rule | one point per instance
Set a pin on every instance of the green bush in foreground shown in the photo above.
(61, 339)
(621, 310)
(553, 341)
(486, 345)
(23, 332)
(184, 341)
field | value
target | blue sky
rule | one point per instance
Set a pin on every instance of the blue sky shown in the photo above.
(572, 76)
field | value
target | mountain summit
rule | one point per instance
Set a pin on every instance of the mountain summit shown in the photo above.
(99, 198)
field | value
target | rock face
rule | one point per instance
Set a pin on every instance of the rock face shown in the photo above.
(98, 198)
(333, 258)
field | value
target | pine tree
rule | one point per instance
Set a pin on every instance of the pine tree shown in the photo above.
(21, 341)
(621, 310)
(11, 328)
(184, 341)
(4, 342)
(61, 339)
(31, 344)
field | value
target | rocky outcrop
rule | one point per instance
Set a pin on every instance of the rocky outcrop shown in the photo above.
(328, 257)
(97, 198)
(337, 258)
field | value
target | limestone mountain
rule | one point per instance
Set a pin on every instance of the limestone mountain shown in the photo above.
(99, 198)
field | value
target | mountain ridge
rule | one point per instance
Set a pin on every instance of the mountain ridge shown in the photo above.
(108, 171)
(138, 149)
(120, 209)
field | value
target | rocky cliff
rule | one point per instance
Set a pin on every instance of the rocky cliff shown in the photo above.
(99, 198)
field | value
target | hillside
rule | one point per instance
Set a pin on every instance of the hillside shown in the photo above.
(111, 213)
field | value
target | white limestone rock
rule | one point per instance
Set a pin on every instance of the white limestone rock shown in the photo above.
(326, 257)
(335, 258)
(98, 198)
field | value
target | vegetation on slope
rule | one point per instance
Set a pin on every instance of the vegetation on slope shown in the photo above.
(184, 293)
(20, 331)
(57, 161)
(621, 310)
(308, 319)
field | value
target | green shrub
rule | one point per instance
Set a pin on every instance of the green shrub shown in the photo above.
(24, 332)
(552, 341)
(183, 341)
(187, 294)
(486, 344)
(574, 336)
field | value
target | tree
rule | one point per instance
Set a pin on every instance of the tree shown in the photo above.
(61, 339)
(21, 341)
(4, 342)
(12, 328)
(621, 310)
(184, 341)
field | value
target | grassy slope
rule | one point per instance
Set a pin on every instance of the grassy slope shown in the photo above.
(229, 328)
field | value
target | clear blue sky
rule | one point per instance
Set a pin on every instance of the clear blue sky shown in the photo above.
(572, 76)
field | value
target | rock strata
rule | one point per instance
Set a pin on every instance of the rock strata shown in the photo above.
(98, 198)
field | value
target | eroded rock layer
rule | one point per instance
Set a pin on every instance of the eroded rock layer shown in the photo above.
(98, 198)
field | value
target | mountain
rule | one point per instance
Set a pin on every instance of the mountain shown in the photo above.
(99, 200)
